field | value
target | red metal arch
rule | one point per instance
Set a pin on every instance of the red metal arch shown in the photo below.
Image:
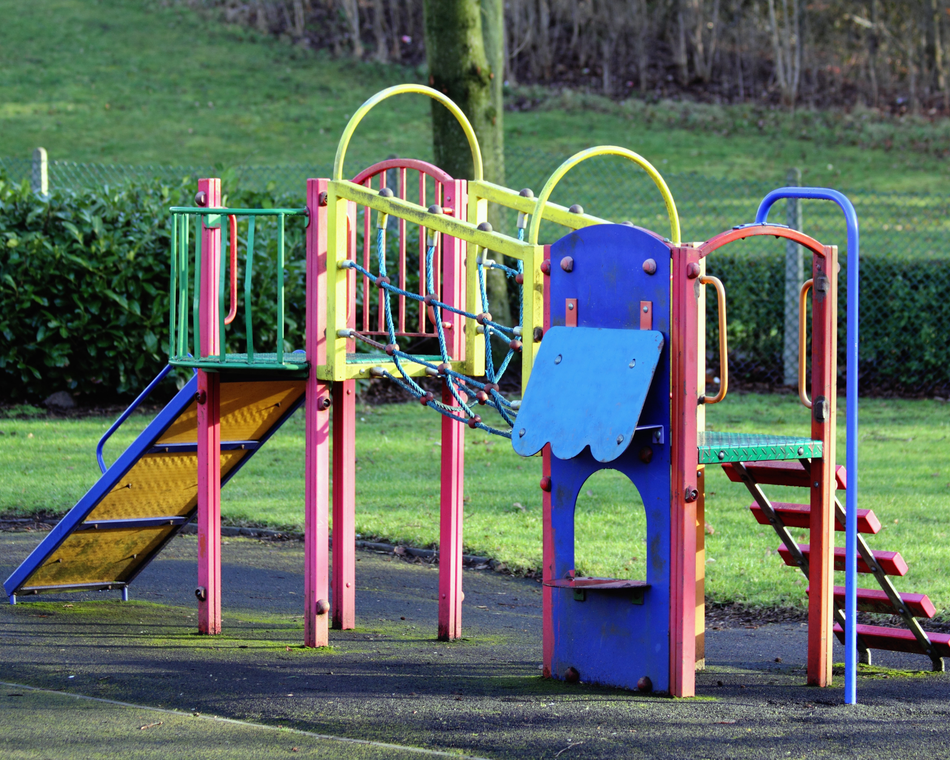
(740, 233)
(423, 167)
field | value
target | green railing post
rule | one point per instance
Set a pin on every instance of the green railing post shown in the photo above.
(182, 338)
(248, 274)
(280, 289)
(173, 291)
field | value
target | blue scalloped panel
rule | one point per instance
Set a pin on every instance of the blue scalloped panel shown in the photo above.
(587, 388)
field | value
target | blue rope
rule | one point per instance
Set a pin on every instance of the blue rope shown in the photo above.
(395, 290)
(406, 382)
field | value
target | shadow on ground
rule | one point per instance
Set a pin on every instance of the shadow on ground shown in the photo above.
(390, 681)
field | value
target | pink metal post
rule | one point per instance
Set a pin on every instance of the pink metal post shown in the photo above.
(685, 488)
(453, 434)
(209, 426)
(343, 577)
(317, 454)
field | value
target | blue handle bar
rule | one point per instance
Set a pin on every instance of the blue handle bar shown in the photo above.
(127, 413)
(851, 395)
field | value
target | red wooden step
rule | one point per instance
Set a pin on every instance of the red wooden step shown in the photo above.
(796, 516)
(892, 563)
(875, 600)
(782, 474)
(898, 639)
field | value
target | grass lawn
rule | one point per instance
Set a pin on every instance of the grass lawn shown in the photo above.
(905, 478)
(136, 82)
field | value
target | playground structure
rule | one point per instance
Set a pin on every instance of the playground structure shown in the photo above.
(615, 310)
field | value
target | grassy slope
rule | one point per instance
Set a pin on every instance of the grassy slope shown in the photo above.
(133, 82)
(904, 478)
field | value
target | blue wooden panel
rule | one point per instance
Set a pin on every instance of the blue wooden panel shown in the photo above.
(587, 388)
(606, 637)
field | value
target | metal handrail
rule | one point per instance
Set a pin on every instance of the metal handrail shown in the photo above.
(851, 424)
(182, 317)
(723, 341)
(232, 229)
(127, 413)
(802, 342)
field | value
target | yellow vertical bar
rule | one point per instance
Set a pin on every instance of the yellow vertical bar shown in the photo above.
(336, 284)
(474, 343)
(533, 311)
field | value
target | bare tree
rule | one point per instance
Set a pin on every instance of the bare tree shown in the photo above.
(703, 35)
(787, 47)
(351, 9)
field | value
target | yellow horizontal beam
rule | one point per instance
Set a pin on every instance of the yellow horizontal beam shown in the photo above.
(552, 211)
(447, 225)
(362, 371)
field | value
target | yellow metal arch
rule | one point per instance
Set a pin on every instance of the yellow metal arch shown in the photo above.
(603, 150)
(400, 90)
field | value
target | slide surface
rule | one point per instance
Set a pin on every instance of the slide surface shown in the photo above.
(150, 492)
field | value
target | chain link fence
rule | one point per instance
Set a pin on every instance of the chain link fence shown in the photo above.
(905, 264)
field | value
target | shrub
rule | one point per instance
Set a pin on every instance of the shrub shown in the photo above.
(84, 283)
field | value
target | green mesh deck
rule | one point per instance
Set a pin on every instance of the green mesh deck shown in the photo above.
(716, 448)
(293, 362)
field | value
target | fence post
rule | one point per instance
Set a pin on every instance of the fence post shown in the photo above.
(40, 177)
(793, 281)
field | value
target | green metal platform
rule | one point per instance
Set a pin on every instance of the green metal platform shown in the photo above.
(291, 361)
(381, 358)
(718, 448)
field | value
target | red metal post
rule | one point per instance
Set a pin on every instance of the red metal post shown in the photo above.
(317, 448)
(453, 434)
(824, 348)
(684, 342)
(343, 577)
(209, 425)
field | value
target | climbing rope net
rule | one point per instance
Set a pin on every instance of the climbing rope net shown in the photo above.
(463, 388)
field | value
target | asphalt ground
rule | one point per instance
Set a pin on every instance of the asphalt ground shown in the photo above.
(85, 675)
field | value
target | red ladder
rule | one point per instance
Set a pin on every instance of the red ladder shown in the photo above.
(888, 601)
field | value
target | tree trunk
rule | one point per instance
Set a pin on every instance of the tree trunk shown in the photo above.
(379, 32)
(351, 10)
(679, 43)
(938, 63)
(262, 18)
(466, 63)
(705, 38)
(787, 48)
(643, 54)
(300, 18)
(873, 42)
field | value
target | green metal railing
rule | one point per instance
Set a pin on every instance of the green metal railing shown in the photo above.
(185, 287)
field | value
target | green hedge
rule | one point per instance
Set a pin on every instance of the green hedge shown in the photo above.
(84, 288)
(905, 311)
(84, 298)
